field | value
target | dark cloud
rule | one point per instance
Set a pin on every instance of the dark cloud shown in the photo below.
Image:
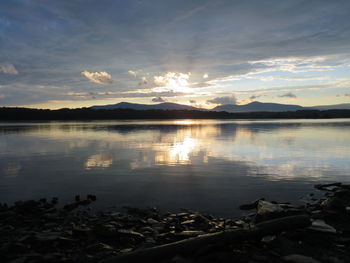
(254, 96)
(223, 100)
(288, 95)
(158, 99)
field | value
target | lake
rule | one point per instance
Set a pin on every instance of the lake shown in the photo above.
(203, 165)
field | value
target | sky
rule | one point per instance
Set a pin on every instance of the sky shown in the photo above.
(65, 53)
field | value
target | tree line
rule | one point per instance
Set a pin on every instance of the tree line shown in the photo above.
(16, 113)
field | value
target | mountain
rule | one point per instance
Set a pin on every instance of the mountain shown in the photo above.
(136, 106)
(344, 106)
(258, 106)
(254, 106)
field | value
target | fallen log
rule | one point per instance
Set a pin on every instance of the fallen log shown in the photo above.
(187, 246)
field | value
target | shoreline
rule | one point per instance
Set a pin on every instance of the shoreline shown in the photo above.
(319, 231)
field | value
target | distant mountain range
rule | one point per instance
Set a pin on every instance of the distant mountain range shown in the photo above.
(135, 106)
(250, 107)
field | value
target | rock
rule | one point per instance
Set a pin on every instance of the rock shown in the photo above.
(334, 260)
(71, 207)
(47, 236)
(106, 230)
(325, 187)
(250, 206)
(7, 214)
(81, 230)
(333, 203)
(91, 197)
(189, 233)
(19, 260)
(54, 200)
(178, 259)
(98, 247)
(265, 208)
(268, 239)
(260, 258)
(152, 221)
(295, 258)
(188, 222)
(321, 226)
(129, 233)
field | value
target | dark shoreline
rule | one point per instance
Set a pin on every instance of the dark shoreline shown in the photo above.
(37, 231)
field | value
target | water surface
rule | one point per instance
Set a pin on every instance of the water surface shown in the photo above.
(205, 165)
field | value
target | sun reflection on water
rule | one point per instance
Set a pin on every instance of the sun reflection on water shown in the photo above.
(99, 161)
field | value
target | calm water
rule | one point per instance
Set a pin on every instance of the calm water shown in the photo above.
(209, 166)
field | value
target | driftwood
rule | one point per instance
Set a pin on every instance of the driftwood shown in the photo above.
(187, 246)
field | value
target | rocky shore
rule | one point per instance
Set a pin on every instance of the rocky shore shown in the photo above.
(319, 231)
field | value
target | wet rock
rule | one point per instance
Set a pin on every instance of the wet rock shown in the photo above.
(91, 197)
(47, 236)
(188, 222)
(321, 226)
(333, 203)
(252, 205)
(98, 247)
(268, 239)
(81, 230)
(130, 233)
(265, 208)
(189, 233)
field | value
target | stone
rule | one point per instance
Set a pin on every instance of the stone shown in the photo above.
(47, 236)
(268, 239)
(98, 247)
(130, 233)
(296, 258)
(189, 233)
(265, 208)
(188, 222)
(321, 226)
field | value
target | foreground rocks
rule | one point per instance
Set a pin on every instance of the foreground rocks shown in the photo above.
(38, 231)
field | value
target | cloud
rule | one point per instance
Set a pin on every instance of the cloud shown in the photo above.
(158, 99)
(175, 81)
(347, 94)
(102, 77)
(288, 95)
(223, 100)
(172, 79)
(132, 73)
(255, 96)
(205, 76)
(143, 81)
(289, 30)
(193, 101)
(8, 69)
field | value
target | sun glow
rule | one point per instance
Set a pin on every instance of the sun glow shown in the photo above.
(173, 81)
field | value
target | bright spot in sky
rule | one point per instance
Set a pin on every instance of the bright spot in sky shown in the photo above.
(173, 81)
